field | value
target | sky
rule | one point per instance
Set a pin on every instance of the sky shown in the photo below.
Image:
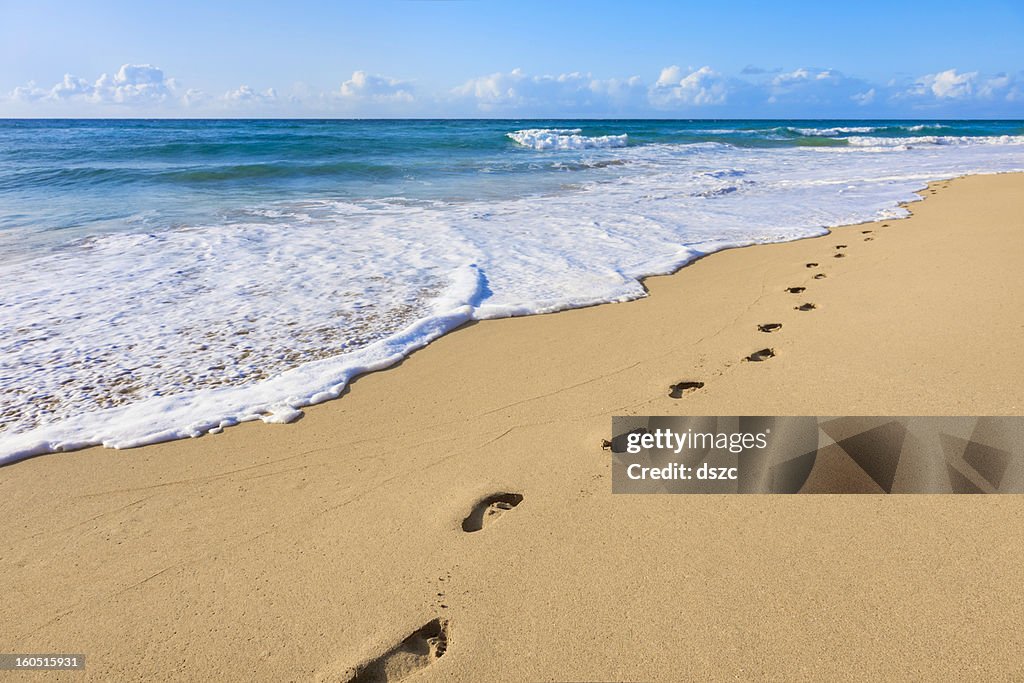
(481, 58)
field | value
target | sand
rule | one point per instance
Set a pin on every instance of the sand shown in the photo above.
(299, 552)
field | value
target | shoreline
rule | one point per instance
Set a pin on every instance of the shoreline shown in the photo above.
(287, 412)
(307, 550)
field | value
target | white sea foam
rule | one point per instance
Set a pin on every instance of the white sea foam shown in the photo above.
(904, 142)
(846, 130)
(565, 138)
(126, 339)
(838, 130)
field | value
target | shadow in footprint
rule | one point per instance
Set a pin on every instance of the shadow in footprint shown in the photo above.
(866, 232)
(680, 389)
(620, 442)
(769, 327)
(840, 255)
(415, 653)
(806, 307)
(795, 290)
(812, 265)
(840, 246)
(762, 355)
(820, 276)
(869, 239)
(487, 508)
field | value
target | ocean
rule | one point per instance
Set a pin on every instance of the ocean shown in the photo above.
(167, 279)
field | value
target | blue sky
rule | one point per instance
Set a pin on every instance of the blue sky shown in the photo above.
(514, 59)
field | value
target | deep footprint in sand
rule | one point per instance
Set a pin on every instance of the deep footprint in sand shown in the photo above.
(866, 232)
(820, 276)
(680, 389)
(769, 327)
(762, 355)
(795, 290)
(812, 265)
(840, 246)
(840, 255)
(869, 239)
(418, 651)
(487, 509)
(806, 307)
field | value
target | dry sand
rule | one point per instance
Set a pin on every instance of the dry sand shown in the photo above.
(298, 552)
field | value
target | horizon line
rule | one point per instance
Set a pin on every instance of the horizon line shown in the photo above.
(487, 118)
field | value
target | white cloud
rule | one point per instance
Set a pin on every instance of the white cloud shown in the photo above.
(145, 90)
(800, 75)
(194, 97)
(621, 91)
(1001, 87)
(132, 83)
(28, 93)
(804, 79)
(864, 98)
(549, 95)
(700, 87)
(669, 76)
(72, 86)
(825, 92)
(969, 92)
(245, 94)
(947, 84)
(515, 89)
(1010, 88)
(363, 86)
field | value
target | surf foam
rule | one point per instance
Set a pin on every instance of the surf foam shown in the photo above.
(565, 138)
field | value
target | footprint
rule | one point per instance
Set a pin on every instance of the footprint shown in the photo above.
(490, 506)
(415, 653)
(885, 225)
(769, 327)
(812, 265)
(840, 256)
(678, 390)
(806, 307)
(762, 355)
(795, 290)
(840, 246)
(869, 239)
(620, 442)
(820, 276)
(866, 232)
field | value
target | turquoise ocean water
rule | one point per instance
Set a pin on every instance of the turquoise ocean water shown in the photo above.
(163, 279)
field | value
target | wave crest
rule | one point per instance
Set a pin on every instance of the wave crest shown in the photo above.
(565, 138)
(904, 142)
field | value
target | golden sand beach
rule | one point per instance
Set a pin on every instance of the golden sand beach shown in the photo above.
(338, 546)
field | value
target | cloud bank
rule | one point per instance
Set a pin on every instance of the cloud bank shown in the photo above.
(131, 84)
(691, 92)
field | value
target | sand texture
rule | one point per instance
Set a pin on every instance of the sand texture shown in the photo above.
(451, 518)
